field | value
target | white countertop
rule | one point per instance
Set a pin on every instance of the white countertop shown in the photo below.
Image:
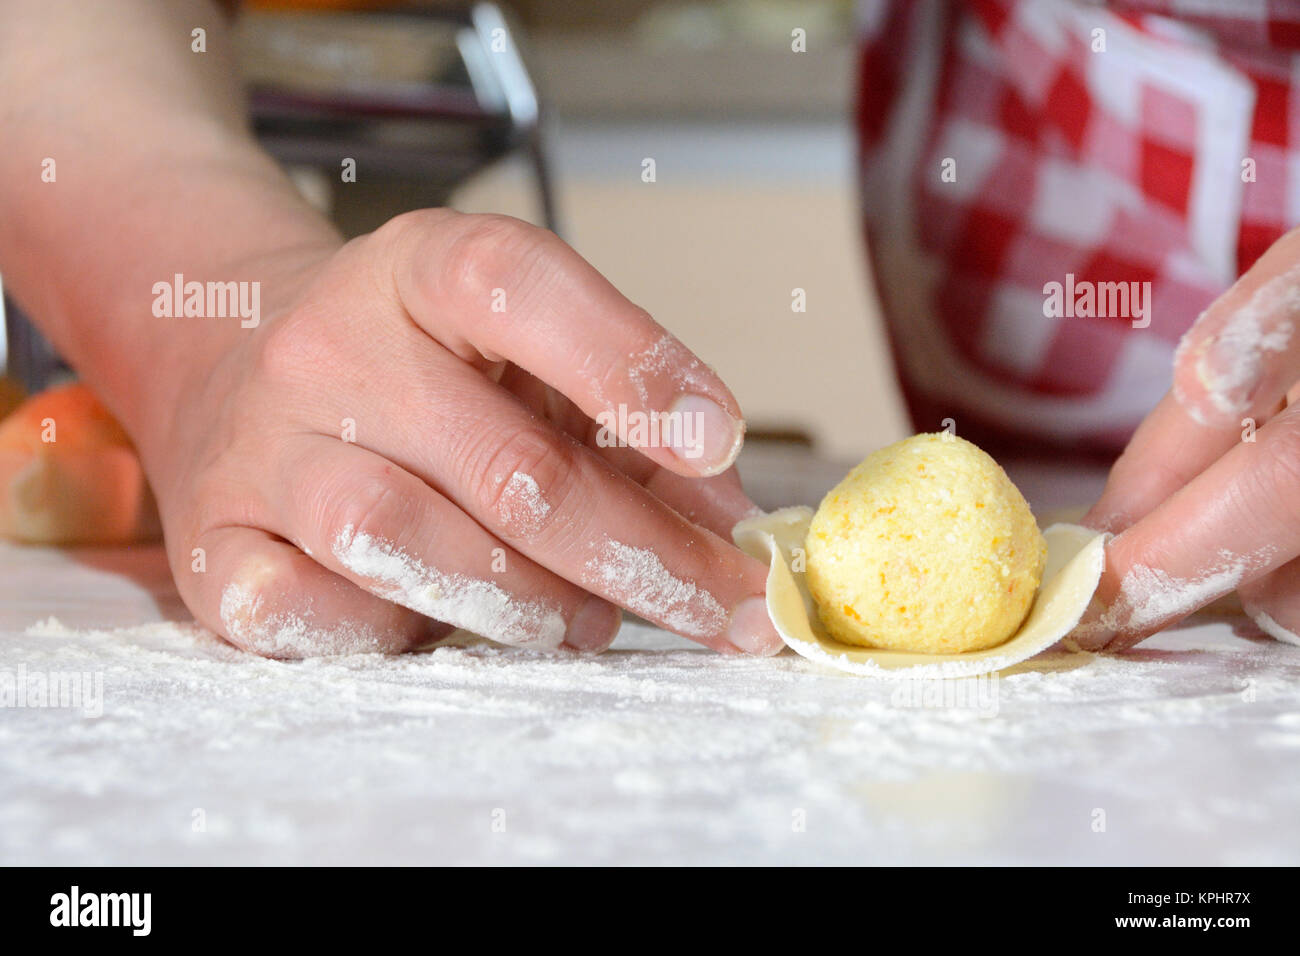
(1184, 751)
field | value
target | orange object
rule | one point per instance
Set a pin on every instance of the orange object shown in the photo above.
(69, 474)
(78, 417)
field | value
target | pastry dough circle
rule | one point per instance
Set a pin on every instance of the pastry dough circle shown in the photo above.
(1075, 559)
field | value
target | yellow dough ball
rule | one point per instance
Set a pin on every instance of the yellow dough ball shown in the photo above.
(926, 546)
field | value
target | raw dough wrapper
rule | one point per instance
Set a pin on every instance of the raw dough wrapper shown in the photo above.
(1075, 559)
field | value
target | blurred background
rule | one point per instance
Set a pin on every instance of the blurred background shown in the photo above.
(753, 193)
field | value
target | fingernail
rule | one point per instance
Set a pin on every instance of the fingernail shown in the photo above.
(1230, 373)
(751, 629)
(594, 627)
(704, 435)
(1269, 625)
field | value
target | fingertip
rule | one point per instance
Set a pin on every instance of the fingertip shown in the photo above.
(1124, 642)
(1270, 626)
(1207, 395)
(277, 602)
(1092, 633)
(594, 626)
(1234, 362)
(751, 629)
(707, 438)
(1105, 519)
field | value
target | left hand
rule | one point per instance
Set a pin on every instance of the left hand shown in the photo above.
(1205, 499)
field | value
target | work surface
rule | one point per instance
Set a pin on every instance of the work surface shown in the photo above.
(1184, 751)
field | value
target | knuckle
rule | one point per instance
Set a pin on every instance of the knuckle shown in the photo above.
(488, 252)
(605, 369)
(523, 478)
(1263, 494)
(291, 349)
(360, 506)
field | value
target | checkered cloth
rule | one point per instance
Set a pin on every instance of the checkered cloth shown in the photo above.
(1111, 143)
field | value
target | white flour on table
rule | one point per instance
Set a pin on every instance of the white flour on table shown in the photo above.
(654, 751)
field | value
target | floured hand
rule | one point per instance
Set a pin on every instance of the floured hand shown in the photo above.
(413, 436)
(1206, 498)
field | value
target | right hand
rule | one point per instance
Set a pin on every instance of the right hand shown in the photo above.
(1203, 500)
(474, 493)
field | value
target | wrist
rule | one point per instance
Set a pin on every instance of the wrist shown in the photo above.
(202, 249)
(194, 330)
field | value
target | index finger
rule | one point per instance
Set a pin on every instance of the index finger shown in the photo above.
(1239, 359)
(1232, 370)
(562, 506)
(499, 288)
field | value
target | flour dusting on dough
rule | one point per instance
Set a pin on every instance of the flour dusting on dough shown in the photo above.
(479, 606)
(638, 579)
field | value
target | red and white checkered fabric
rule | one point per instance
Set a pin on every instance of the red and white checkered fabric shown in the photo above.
(1107, 142)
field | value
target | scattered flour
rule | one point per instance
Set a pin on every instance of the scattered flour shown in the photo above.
(473, 604)
(640, 581)
(666, 357)
(661, 751)
(522, 506)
